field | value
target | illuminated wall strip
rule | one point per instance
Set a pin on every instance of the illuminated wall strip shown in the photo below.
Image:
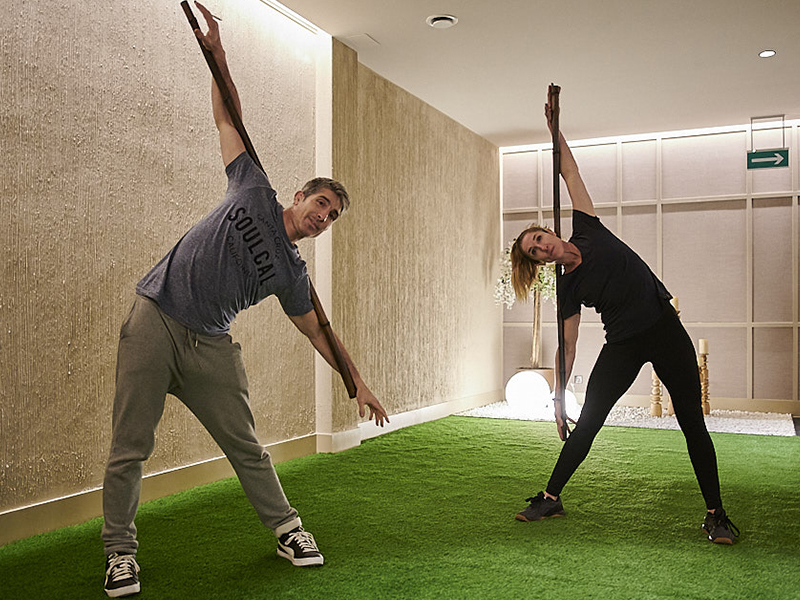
(290, 14)
(640, 137)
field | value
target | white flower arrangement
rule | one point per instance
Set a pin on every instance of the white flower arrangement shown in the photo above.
(545, 281)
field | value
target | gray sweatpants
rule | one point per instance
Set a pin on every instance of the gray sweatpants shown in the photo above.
(157, 356)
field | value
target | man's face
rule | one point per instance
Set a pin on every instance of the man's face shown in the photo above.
(316, 212)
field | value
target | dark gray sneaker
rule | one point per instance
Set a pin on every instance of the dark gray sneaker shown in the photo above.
(541, 508)
(719, 528)
(299, 546)
(122, 575)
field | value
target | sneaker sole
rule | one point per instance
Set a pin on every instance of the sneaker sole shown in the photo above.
(722, 541)
(314, 561)
(719, 540)
(125, 591)
(521, 517)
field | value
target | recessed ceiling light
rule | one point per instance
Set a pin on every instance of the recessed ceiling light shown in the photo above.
(767, 53)
(441, 21)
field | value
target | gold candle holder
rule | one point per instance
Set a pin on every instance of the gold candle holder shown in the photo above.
(702, 365)
(655, 396)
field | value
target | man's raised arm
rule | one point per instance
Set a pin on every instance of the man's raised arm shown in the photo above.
(230, 141)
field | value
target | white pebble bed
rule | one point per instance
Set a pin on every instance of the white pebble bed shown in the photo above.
(724, 421)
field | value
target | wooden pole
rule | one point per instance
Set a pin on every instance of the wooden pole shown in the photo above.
(561, 383)
(344, 371)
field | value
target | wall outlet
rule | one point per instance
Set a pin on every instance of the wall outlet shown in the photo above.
(577, 380)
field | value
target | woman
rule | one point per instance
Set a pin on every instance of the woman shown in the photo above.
(641, 326)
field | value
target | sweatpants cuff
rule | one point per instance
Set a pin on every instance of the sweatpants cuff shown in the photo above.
(123, 550)
(287, 527)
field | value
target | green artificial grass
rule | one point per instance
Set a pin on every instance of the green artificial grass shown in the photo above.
(428, 512)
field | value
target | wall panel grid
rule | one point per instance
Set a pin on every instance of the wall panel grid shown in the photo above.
(722, 237)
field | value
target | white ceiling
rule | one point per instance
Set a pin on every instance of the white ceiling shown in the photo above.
(624, 66)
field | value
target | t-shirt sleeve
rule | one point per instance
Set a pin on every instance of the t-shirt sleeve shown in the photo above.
(243, 172)
(581, 222)
(296, 300)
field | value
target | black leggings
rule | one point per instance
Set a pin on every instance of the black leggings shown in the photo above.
(668, 347)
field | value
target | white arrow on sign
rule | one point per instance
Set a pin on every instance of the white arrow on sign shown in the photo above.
(776, 159)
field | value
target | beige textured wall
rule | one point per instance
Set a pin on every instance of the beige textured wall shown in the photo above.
(414, 263)
(109, 155)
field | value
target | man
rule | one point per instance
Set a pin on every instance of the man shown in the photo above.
(176, 340)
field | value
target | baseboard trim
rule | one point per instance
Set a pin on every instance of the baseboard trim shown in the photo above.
(339, 441)
(344, 440)
(369, 430)
(53, 514)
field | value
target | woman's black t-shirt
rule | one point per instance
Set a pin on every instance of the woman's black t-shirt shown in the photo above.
(613, 280)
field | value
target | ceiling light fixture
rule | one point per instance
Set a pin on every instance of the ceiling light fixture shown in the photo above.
(767, 53)
(441, 21)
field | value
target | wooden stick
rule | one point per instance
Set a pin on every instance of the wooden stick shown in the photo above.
(561, 383)
(344, 371)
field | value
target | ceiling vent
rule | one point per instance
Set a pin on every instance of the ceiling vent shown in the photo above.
(441, 21)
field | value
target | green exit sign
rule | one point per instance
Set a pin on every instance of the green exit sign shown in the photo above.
(768, 159)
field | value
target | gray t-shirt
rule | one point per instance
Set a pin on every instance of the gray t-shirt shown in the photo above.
(232, 259)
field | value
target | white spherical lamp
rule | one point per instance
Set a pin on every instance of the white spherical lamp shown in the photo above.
(528, 393)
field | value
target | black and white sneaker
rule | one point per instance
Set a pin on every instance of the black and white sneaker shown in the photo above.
(719, 528)
(298, 546)
(541, 507)
(122, 575)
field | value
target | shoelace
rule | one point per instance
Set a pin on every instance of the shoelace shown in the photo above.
(122, 566)
(304, 539)
(724, 521)
(540, 497)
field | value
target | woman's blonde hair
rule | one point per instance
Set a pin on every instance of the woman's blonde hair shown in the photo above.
(524, 269)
